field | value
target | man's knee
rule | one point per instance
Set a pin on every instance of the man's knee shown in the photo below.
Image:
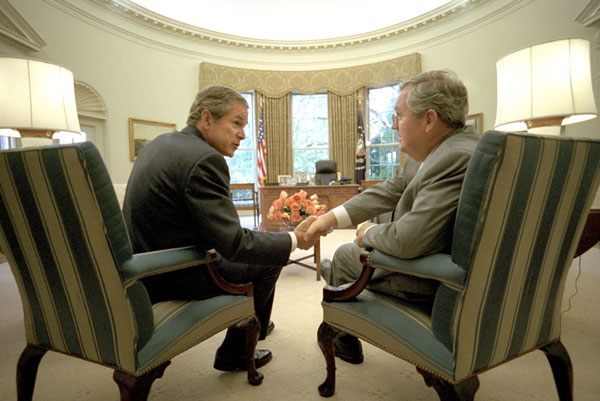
(345, 266)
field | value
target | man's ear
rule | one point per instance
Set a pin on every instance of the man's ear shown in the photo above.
(431, 118)
(205, 119)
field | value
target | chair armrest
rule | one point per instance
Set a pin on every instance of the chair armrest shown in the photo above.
(437, 266)
(148, 264)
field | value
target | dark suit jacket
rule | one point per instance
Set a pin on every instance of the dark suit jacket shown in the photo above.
(178, 195)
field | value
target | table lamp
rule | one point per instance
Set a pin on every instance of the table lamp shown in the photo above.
(38, 99)
(544, 87)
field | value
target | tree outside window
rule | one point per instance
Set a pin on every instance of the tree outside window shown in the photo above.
(310, 131)
(382, 140)
(242, 166)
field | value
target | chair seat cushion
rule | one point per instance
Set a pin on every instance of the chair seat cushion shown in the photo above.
(396, 326)
(179, 325)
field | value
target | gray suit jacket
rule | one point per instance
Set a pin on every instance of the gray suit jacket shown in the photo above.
(178, 195)
(423, 201)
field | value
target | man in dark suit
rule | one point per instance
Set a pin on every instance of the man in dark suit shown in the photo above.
(178, 195)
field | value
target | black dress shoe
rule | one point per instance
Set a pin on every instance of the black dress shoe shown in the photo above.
(348, 348)
(233, 363)
(270, 327)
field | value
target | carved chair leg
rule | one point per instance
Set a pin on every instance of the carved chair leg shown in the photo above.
(325, 337)
(252, 328)
(562, 369)
(27, 368)
(134, 388)
(463, 391)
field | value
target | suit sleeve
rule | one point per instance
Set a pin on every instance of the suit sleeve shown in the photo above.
(382, 197)
(428, 226)
(208, 199)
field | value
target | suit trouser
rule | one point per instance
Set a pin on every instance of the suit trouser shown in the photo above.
(346, 267)
(195, 283)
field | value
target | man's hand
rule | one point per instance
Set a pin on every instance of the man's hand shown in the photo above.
(300, 233)
(360, 233)
(320, 227)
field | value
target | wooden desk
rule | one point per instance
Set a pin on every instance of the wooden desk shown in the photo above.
(277, 226)
(329, 195)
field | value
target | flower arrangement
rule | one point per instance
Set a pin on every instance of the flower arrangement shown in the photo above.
(295, 208)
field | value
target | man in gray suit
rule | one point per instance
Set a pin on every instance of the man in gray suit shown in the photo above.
(178, 195)
(430, 116)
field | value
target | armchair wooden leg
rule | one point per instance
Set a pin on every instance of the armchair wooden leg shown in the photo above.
(134, 388)
(252, 328)
(325, 337)
(562, 369)
(464, 391)
(27, 368)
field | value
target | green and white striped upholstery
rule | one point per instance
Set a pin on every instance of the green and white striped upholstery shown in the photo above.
(521, 212)
(66, 242)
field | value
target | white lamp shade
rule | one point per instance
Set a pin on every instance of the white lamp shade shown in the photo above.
(36, 96)
(550, 84)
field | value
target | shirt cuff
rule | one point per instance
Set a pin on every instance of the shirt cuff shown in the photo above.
(294, 241)
(342, 217)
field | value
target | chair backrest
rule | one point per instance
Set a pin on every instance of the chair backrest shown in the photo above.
(65, 239)
(522, 208)
(325, 172)
(244, 196)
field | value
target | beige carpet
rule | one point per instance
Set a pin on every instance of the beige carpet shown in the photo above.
(298, 366)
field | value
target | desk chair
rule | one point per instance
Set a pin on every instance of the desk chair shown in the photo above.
(325, 172)
(65, 239)
(522, 208)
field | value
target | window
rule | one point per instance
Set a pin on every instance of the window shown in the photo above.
(310, 131)
(242, 166)
(7, 139)
(382, 140)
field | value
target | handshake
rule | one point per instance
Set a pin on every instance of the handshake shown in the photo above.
(310, 230)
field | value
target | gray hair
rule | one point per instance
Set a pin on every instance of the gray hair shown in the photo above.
(441, 91)
(215, 98)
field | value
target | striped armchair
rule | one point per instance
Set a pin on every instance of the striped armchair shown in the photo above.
(63, 233)
(521, 212)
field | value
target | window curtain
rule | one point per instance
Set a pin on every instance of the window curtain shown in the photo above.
(342, 81)
(277, 125)
(343, 129)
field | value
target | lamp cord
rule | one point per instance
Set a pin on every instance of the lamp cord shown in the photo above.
(576, 287)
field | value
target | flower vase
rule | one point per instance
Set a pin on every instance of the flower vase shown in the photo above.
(291, 225)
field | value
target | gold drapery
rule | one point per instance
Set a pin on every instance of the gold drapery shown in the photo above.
(343, 129)
(341, 81)
(277, 126)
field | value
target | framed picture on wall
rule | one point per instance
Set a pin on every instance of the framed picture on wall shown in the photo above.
(143, 131)
(476, 121)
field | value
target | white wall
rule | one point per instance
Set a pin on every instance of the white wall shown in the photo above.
(138, 78)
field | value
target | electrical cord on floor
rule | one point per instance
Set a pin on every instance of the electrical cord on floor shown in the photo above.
(576, 288)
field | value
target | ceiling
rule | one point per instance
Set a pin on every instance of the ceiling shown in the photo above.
(293, 20)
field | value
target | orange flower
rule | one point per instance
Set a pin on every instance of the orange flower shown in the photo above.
(296, 197)
(295, 207)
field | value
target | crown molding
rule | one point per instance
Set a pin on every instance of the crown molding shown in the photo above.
(141, 16)
(590, 15)
(131, 22)
(15, 30)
